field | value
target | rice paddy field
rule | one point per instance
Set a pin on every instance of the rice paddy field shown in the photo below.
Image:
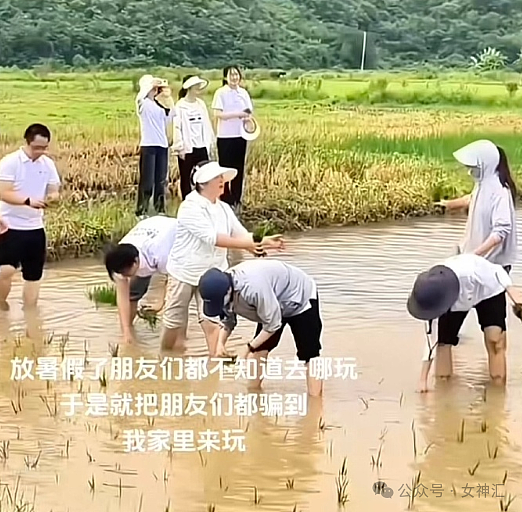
(334, 149)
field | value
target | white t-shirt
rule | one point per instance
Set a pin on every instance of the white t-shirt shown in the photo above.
(479, 280)
(195, 251)
(227, 99)
(153, 237)
(195, 119)
(154, 122)
(30, 179)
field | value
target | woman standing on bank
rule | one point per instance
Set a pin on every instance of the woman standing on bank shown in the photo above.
(195, 130)
(155, 109)
(232, 105)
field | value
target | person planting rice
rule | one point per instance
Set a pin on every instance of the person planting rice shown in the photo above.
(445, 294)
(273, 294)
(140, 254)
(491, 225)
(207, 228)
(29, 183)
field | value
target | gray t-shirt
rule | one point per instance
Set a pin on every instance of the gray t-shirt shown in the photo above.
(266, 291)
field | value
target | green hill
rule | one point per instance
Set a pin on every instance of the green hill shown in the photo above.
(307, 34)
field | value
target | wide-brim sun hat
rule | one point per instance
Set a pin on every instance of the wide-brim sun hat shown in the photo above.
(433, 294)
(195, 81)
(250, 132)
(210, 170)
(476, 152)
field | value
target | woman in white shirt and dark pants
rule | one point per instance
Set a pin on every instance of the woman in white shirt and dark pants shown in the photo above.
(155, 121)
(196, 134)
(232, 105)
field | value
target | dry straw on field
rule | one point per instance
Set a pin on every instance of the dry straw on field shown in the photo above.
(312, 166)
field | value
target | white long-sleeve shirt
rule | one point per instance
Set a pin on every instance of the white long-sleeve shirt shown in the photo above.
(199, 223)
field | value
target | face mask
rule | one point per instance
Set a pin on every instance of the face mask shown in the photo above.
(475, 171)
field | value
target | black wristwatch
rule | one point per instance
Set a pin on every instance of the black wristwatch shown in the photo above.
(28, 201)
(250, 347)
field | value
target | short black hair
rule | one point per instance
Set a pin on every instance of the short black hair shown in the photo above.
(36, 129)
(120, 258)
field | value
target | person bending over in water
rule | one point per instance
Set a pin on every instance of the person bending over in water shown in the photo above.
(272, 294)
(445, 294)
(142, 252)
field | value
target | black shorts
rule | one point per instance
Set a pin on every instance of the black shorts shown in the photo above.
(26, 249)
(138, 287)
(490, 313)
(306, 329)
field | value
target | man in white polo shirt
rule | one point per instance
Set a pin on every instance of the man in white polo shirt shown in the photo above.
(140, 254)
(29, 182)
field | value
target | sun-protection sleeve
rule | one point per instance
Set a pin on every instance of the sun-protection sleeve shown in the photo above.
(263, 299)
(238, 230)
(501, 214)
(196, 219)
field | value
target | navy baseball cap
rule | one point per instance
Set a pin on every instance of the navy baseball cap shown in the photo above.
(213, 286)
(433, 294)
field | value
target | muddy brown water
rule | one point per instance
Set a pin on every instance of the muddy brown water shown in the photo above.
(290, 463)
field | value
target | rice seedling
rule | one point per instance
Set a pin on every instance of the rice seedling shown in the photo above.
(376, 462)
(211, 507)
(506, 502)
(32, 463)
(473, 470)
(414, 438)
(427, 448)
(52, 409)
(103, 294)
(92, 484)
(484, 426)
(290, 483)
(492, 454)
(341, 484)
(414, 486)
(4, 451)
(149, 316)
(13, 499)
(460, 433)
(257, 497)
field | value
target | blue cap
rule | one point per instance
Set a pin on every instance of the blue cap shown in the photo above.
(213, 286)
(433, 294)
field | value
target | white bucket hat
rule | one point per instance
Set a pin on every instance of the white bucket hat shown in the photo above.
(195, 81)
(250, 129)
(206, 172)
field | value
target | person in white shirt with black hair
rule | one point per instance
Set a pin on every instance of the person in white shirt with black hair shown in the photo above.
(444, 295)
(156, 111)
(195, 130)
(140, 254)
(207, 227)
(29, 183)
(232, 105)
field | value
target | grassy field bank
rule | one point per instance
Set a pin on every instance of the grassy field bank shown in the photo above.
(319, 161)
